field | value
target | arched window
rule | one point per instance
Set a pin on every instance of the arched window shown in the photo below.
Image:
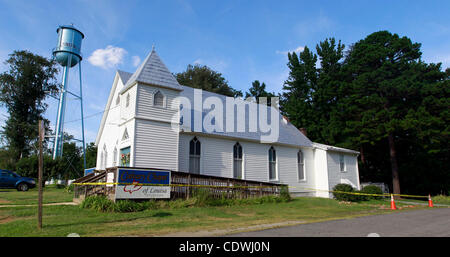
(342, 167)
(237, 161)
(194, 156)
(115, 157)
(102, 160)
(272, 163)
(105, 162)
(301, 165)
(158, 99)
(128, 101)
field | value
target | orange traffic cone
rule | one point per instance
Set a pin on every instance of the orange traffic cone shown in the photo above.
(393, 203)
(430, 202)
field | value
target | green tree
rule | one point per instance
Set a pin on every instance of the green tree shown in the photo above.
(201, 76)
(296, 100)
(326, 97)
(24, 87)
(385, 86)
(91, 155)
(259, 90)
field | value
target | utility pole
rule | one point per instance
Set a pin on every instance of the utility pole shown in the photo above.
(41, 168)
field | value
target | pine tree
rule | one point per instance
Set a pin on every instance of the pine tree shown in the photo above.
(259, 90)
(296, 101)
(385, 78)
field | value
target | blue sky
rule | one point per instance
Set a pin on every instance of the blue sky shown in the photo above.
(243, 40)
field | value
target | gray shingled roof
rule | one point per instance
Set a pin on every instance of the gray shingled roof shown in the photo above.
(124, 76)
(153, 71)
(288, 133)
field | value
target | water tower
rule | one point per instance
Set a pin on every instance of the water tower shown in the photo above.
(68, 54)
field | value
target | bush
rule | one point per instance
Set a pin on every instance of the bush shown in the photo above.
(345, 196)
(129, 206)
(372, 190)
(201, 197)
(284, 194)
(70, 188)
(98, 203)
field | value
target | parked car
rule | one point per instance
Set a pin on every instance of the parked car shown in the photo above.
(9, 179)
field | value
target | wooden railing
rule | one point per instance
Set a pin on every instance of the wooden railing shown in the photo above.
(185, 185)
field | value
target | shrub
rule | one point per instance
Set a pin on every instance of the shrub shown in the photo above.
(372, 190)
(202, 196)
(70, 188)
(98, 203)
(345, 196)
(129, 206)
(284, 194)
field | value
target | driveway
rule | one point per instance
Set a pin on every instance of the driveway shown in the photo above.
(423, 223)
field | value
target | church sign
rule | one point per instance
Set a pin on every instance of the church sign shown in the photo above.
(142, 184)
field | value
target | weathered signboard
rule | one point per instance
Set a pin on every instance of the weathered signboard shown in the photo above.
(142, 184)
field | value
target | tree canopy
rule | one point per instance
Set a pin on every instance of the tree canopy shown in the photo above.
(258, 90)
(203, 77)
(24, 87)
(379, 98)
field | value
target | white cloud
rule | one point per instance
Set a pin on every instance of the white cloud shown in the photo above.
(297, 50)
(215, 64)
(136, 60)
(108, 57)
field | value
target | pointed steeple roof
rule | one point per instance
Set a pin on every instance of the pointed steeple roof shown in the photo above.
(153, 71)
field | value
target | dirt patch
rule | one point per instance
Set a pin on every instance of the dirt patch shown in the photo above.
(218, 232)
(6, 219)
(2, 201)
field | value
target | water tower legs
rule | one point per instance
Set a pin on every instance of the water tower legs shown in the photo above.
(59, 136)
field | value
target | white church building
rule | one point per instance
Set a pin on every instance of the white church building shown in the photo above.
(151, 121)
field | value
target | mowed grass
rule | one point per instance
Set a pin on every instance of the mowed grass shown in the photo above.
(51, 194)
(62, 220)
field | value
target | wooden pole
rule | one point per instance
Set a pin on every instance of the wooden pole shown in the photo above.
(41, 168)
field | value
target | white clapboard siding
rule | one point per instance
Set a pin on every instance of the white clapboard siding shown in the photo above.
(216, 157)
(288, 169)
(335, 176)
(156, 145)
(321, 173)
(128, 112)
(111, 131)
(146, 109)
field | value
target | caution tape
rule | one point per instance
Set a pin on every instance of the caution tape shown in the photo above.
(179, 185)
(357, 193)
(238, 186)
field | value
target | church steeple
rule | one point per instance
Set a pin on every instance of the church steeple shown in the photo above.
(154, 72)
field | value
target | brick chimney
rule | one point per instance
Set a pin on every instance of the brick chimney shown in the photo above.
(303, 130)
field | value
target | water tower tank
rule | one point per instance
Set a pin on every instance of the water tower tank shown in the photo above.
(68, 49)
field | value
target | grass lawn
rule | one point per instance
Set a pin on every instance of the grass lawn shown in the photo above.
(52, 194)
(62, 220)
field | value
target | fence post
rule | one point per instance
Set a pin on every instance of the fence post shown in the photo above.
(188, 189)
(245, 190)
(228, 188)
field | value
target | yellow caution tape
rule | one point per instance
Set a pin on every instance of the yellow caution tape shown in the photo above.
(357, 193)
(179, 185)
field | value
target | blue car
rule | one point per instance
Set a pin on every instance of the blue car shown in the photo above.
(9, 179)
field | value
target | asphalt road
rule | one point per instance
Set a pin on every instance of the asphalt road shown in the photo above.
(426, 223)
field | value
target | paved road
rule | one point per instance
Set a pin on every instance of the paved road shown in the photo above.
(431, 222)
